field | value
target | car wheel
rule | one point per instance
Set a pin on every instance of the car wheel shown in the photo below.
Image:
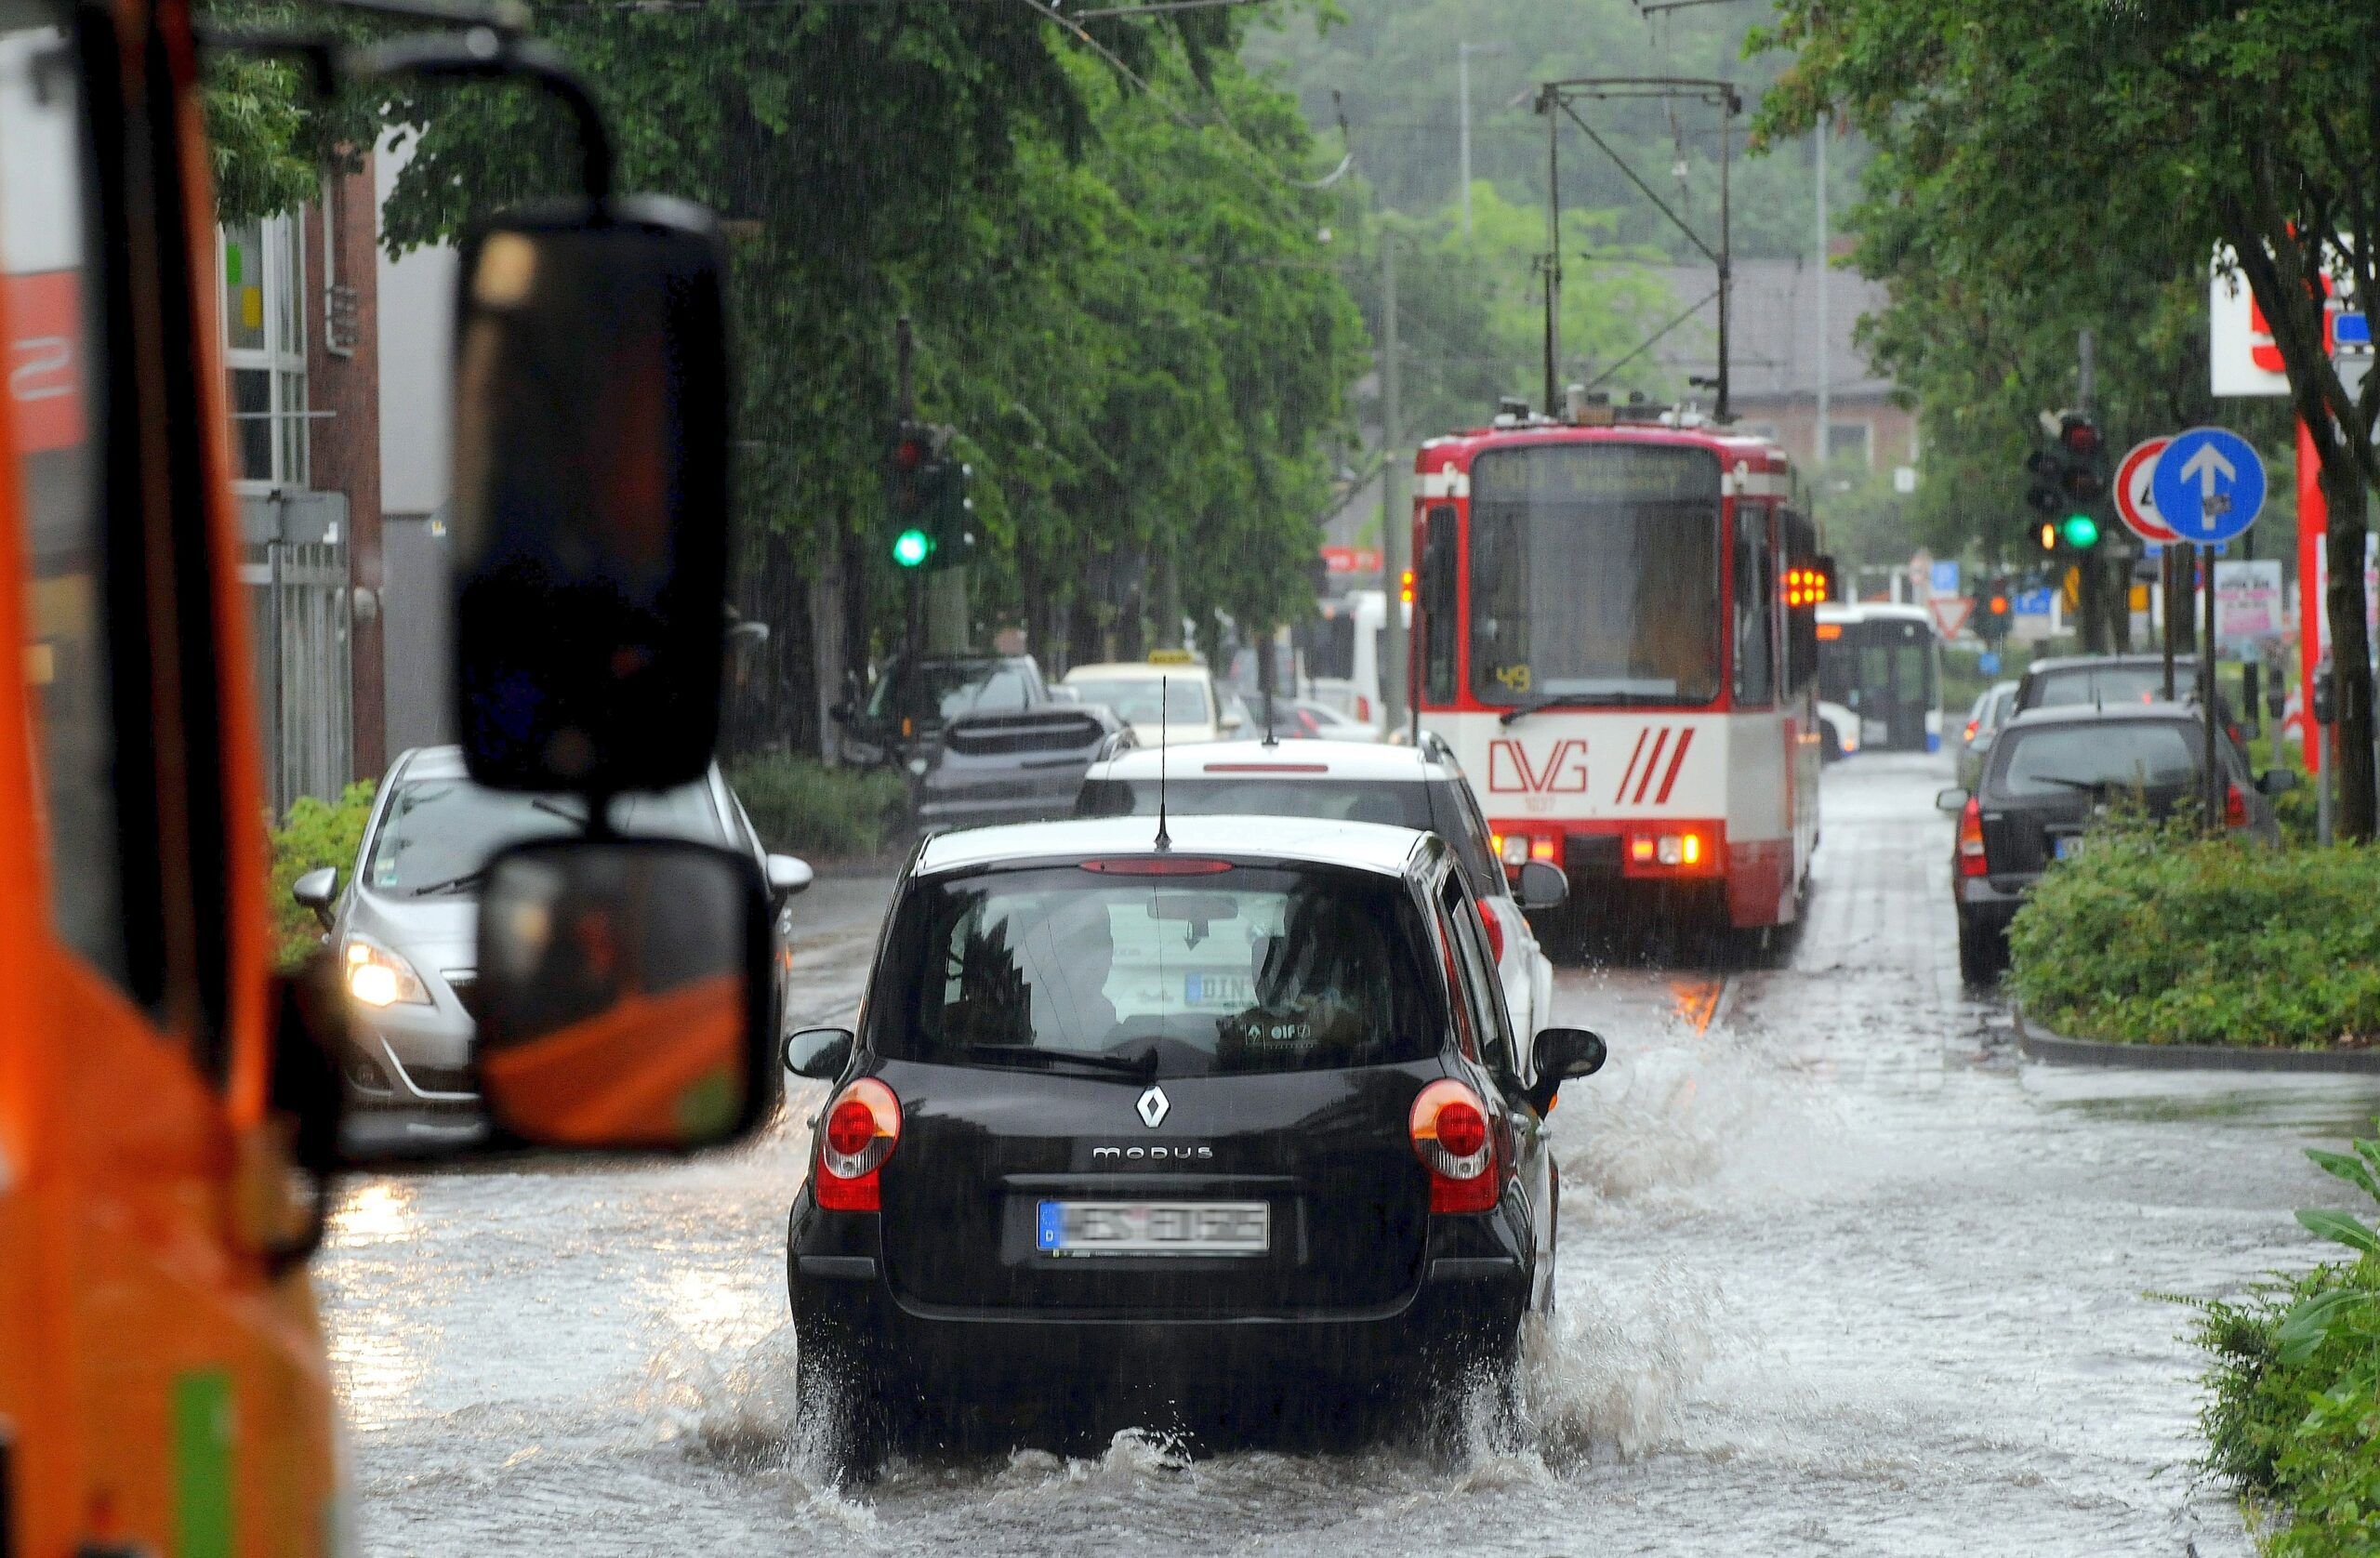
(1983, 952)
(1830, 748)
(841, 1421)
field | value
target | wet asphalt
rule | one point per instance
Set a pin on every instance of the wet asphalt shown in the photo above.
(1840, 1275)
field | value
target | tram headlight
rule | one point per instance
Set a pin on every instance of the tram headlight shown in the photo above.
(1513, 848)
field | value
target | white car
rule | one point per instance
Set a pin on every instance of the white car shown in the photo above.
(1169, 700)
(1406, 787)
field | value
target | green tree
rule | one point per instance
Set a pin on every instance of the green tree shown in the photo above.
(2150, 132)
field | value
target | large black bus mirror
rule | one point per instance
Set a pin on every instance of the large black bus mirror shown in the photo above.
(590, 495)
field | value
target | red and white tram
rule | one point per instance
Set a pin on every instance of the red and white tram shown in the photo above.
(1615, 630)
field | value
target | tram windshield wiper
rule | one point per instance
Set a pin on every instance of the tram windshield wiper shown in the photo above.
(1613, 698)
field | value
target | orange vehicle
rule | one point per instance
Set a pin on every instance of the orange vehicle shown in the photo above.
(168, 1105)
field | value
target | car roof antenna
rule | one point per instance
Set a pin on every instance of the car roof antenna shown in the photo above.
(1164, 839)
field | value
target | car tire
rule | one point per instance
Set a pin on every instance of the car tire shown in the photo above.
(839, 1406)
(1830, 748)
(1983, 953)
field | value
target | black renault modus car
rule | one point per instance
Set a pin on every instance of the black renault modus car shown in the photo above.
(1200, 1131)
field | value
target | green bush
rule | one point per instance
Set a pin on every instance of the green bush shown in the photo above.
(2155, 936)
(2293, 1415)
(805, 808)
(315, 833)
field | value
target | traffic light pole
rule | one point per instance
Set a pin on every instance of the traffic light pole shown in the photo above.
(911, 683)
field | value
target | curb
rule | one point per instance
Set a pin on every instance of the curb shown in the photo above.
(2053, 1049)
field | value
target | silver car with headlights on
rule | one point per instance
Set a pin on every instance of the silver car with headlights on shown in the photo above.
(405, 923)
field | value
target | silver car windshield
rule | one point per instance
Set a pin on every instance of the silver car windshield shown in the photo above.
(437, 833)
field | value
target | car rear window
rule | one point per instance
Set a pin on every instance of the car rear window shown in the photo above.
(1398, 803)
(2101, 685)
(2094, 759)
(1136, 700)
(1250, 968)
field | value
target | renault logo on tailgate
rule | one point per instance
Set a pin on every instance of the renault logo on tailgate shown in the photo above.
(1153, 1106)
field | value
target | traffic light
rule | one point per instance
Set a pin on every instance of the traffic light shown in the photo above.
(926, 490)
(1995, 611)
(2069, 482)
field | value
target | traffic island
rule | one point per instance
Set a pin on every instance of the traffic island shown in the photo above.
(2037, 1043)
(2157, 947)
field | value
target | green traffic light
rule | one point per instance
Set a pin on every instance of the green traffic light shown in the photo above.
(2080, 531)
(911, 548)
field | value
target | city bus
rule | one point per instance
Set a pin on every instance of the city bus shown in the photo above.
(1616, 635)
(1883, 663)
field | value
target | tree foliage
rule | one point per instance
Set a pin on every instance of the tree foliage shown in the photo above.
(2085, 166)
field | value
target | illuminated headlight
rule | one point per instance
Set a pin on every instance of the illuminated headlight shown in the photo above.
(1670, 850)
(378, 977)
(1515, 849)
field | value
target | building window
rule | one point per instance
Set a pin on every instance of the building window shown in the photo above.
(1850, 440)
(263, 271)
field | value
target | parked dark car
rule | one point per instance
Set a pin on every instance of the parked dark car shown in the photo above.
(1024, 765)
(2105, 680)
(2049, 774)
(946, 687)
(1214, 1125)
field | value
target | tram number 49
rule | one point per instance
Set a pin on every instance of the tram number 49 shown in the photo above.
(1563, 772)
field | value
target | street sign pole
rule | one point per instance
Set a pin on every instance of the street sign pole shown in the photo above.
(2206, 700)
(2165, 611)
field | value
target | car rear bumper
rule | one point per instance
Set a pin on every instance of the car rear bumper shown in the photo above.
(1990, 900)
(1464, 1304)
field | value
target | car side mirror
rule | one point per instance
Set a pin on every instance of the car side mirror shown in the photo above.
(623, 993)
(590, 455)
(788, 876)
(316, 890)
(1558, 1055)
(1542, 885)
(1952, 800)
(1230, 722)
(818, 1054)
(2276, 781)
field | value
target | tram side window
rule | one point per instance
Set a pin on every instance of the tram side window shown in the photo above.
(1438, 626)
(1755, 607)
(54, 291)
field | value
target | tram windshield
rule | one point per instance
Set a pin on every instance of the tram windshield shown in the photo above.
(1595, 575)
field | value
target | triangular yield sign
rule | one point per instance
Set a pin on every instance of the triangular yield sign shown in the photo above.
(1950, 613)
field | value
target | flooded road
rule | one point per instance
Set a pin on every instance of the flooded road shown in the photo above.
(1839, 1276)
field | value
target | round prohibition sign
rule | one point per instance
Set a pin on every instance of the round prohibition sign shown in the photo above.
(2136, 492)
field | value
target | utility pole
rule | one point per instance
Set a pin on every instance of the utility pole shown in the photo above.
(1546, 105)
(1462, 53)
(1826, 316)
(2092, 598)
(1397, 512)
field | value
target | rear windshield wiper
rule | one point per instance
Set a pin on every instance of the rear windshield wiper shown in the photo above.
(2088, 787)
(1581, 700)
(1139, 1068)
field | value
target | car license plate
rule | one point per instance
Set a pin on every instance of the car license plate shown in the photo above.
(2069, 845)
(1155, 1227)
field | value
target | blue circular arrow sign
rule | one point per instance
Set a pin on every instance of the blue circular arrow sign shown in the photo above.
(2210, 485)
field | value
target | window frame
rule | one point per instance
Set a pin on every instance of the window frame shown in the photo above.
(288, 443)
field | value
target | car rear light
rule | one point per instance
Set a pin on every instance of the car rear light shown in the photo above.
(1363, 708)
(1971, 727)
(1971, 859)
(1450, 1137)
(2235, 807)
(1494, 926)
(863, 1126)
